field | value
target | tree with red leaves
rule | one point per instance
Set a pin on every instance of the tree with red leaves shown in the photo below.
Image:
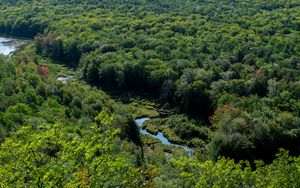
(43, 70)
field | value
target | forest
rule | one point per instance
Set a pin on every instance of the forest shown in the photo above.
(220, 77)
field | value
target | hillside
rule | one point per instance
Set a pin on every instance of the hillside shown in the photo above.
(219, 77)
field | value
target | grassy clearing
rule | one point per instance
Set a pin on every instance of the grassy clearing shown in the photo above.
(143, 109)
(172, 137)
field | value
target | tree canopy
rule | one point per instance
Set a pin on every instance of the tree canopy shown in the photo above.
(224, 77)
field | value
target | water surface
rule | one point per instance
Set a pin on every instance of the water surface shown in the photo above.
(65, 79)
(9, 45)
(159, 135)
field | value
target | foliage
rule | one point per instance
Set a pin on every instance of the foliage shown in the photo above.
(50, 136)
(283, 172)
(230, 67)
(58, 155)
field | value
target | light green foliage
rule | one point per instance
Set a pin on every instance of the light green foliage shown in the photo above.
(55, 155)
(45, 144)
(283, 172)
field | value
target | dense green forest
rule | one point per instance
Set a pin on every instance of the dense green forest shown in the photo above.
(224, 77)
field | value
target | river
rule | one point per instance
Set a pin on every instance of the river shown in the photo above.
(8, 45)
(159, 135)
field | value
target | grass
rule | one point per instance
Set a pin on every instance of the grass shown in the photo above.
(172, 137)
(143, 109)
(156, 125)
(150, 127)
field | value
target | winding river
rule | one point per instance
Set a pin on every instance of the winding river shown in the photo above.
(9, 45)
(159, 135)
